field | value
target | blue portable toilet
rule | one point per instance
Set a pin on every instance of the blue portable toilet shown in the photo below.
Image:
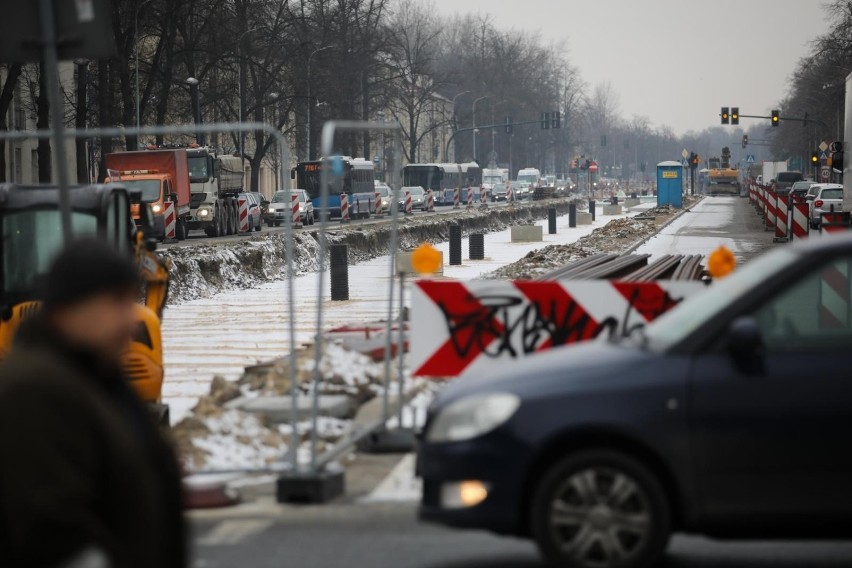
(670, 184)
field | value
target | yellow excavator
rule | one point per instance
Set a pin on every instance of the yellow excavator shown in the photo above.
(31, 233)
(722, 178)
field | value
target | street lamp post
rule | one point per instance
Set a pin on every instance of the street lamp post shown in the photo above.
(196, 101)
(311, 100)
(474, 123)
(455, 123)
(240, 91)
(136, 57)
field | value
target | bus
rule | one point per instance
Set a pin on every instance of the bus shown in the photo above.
(357, 177)
(442, 179)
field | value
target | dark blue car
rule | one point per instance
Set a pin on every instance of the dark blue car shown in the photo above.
(729, 416)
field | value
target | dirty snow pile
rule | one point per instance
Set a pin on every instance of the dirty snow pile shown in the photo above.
(615, 237)
(217, 435)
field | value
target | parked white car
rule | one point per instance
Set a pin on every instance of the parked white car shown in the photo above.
(826, 196)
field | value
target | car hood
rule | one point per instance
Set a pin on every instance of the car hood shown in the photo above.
(594, 365)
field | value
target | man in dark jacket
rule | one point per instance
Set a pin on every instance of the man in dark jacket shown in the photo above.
(86, 476)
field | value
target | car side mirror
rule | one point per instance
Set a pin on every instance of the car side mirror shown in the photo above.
(745, 342)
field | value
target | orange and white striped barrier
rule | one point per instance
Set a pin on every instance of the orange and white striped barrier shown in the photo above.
(430, 201)
(169, 220)
(781, 218)
(344, 208)
(242, 208)
(800, 223)
(297, 216)
(408, 206)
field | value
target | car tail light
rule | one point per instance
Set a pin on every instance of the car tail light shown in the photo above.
(818, 203)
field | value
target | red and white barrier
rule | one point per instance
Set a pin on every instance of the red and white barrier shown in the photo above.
(770, 211)
(483, 196)
(379, 210)
(297, 216)
(510, 195)
(469, 197)
(430, 201)
(781, 217)
(344, 208)
(456, 330)
(456, 197)
(408, 206)
(834, 297)
(242, 215)
(800, 227)
(834, 222)
(169, 220)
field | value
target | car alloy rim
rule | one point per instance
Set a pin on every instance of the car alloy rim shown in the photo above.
(600, 517)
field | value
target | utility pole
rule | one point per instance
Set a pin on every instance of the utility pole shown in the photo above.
(311, 100)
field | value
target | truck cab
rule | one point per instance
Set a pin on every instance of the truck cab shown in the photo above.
(215, 181)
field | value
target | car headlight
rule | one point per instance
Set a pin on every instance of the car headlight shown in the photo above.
(156, 208)
(473, 416)
(203, 212)
(271, 209)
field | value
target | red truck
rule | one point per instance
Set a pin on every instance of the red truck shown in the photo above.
(161, 175)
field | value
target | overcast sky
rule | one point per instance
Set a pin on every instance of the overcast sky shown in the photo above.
(675, 61)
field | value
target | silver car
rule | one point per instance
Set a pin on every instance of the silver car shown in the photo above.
(418, 198)
(827, 196)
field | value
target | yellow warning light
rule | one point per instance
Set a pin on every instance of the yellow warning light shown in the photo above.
(721, 262)
(426, 259)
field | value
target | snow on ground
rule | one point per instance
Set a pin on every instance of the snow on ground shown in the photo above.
(399, 486)
(223, 334)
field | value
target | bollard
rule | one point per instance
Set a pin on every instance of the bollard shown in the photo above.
(476, 246)
(551, 221)
(613, 200)
(455, 245)
(592, 208)
(242, 208)
(456, 197)
(572, 215)
(339, 269)
(469, 197)
(344, 208)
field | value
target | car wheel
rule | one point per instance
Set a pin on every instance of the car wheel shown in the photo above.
(312, 219)
(277, 223)
(600, 509)
(270, 224)
(180, 230)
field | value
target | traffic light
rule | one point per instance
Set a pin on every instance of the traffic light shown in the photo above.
(745, 140)
(837, 155)
(545, 121)
(726, 115)
(776, 118)
(556, 119)
(508, 127)
(735, 115)
(815, 160)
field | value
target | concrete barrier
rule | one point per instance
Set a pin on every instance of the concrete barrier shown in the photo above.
(632, 202)
(584, 218)
(612, 209)
(527, 233)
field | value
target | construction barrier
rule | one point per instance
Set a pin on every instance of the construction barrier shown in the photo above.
(379, 210)
(483, 196)
(834, 300)
(456, 197)
(469, 197)
(408, 206)
(297, 216)
(782, 219)
(344, 208)
(834, 222)
(770, 211)
(510, 195)
(242, 207)
(800, 223)
(169, 220)
(430, 200)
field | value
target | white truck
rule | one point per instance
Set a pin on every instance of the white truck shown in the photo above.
(771, 171)
(215, 181)
(494, 181)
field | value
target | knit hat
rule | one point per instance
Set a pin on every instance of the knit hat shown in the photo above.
(87, 268)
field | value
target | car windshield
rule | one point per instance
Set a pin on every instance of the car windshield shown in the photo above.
(800, 185)
(415, 190)
(527, 179)
(150, 188)
(677, 324)
(280, 197)
(832, 193)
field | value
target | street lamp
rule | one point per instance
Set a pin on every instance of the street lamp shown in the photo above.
(310, 101)
(474, 123)
(196, 100)
(136, 55)
(240, 90)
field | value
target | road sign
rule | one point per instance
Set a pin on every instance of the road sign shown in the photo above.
(685, 154)
(825, 173)
(823, 155)
(823, 146)
(480, 326)
(377, 160)
(593, 167)
(750, 159)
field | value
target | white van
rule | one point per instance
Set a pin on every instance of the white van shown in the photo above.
(528, 177)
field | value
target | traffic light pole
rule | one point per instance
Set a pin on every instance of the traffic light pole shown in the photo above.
(482, 127)
(789, 118)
